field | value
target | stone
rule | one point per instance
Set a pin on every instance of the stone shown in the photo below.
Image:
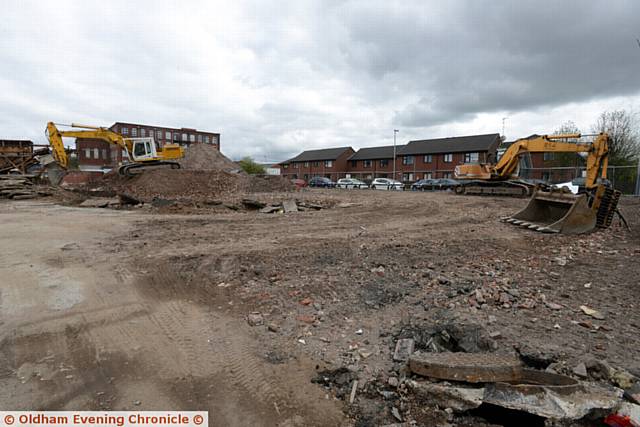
(272, 327)
(393, 382)
(255, 319)
(290, 206)
(591, 312)
(404, 349)
(270, 209)
(100, 202)
(396, 413)
(553, 305)
(580, 370)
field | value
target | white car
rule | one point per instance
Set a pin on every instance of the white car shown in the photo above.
(351, 183)
(387, 184)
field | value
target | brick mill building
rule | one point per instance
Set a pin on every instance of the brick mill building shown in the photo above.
(328, 162)
(98, 155)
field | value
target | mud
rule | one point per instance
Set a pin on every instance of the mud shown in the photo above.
(103, 309)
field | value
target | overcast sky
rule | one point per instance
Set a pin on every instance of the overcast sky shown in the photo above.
(275, 78)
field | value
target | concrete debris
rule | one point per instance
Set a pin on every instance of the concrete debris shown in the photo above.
(447, 396)
(270, 209)
(404, 349)
(581, 370)
(289, 206)
(20, 187)
(354, 388)
(255, 319)
(100, 202)
(469, 367)
(551, 396)
(591, 312)
(396, 413)
(253, 204)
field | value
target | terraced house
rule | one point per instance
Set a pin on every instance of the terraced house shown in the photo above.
(328, 162)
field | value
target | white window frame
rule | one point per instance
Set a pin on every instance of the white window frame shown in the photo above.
(199, 138)
(167, 135)
(134, 132)
(428, 158)
(125, 131)
(428, 175)
(328, 163)
(96, 153)
(192, 138)
(206, 139)
(472, 157)
(87, 153)
(185, 138)
(143, 133)
(407, 160)
(159, 134)
(447, 157)
(104, 153)
(367, 163)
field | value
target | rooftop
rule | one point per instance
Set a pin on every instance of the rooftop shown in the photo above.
(488, 142)
(315, 155)
(375, 153)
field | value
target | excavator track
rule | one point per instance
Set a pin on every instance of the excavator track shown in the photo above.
(495, 188)
(608, 207)
(132, 169)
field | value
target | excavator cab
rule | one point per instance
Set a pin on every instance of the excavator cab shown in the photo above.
(144, 149)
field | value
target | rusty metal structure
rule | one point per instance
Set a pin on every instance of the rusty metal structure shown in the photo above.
(18, 155)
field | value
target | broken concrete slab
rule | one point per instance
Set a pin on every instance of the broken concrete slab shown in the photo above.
(469, 367)
(591, 312)
(253, 204)
(100, 202)
(270, 209)
(551, 396)
(290, 206)
(255, 319)
(459, 399)
(404, 349)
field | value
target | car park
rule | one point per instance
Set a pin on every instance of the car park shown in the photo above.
(435, 184)
(321, 182)
(386, 184)
(351, 183)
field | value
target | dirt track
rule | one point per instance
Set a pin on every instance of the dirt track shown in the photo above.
(123, 309)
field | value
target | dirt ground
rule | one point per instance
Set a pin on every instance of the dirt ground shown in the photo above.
(146, 310)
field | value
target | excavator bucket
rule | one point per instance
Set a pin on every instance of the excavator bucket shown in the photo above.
(556, 211)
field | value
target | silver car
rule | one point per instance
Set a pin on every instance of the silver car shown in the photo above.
(387, 184)
(351, 183)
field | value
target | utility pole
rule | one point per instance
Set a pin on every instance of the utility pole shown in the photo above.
(395, 131)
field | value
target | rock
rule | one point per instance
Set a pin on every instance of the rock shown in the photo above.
(255, 319)
(492, 319)
(359, 332)
(253, 204)
(396, 413)
(100, 202)
(591, 312)
(404, 349)
(270, 209)
(289, 206)
(272, 327)
(561, 260)
(622, 378)
(553, 306)
(137, 402)
(459, 399)
(495, 334)
(633, 393)
(479, 297)
(580, 370)
(393, 382)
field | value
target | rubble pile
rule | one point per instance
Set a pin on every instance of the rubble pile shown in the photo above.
(206, 157)
(20, 187)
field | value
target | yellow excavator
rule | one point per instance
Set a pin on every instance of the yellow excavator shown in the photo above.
(141, 153)
(550, 210)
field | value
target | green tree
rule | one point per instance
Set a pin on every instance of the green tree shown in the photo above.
(622, 127)
(248, 165)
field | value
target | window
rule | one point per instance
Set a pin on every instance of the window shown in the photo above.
(125, 131)
(471, 157)
(199, 138)
(407, 160)
(447, 175)
(407, 176)
(96, 153)
(546, 176)
(547, 156)
(328, 163)
(206, 139)
(448, 158)
(134, 131)
(87, 153)
(176, 137)
(316, 164)
(306, 177)
(367, 163)
(285, 166)
(354, 163)
(159, 134)
(296, 165)
(192, 138)
(428, 158)
(167, 136)
(104, 153)
(138, 149)
(427, 175)
(184, 137)
(306, 164)
(143, 132)
(384, 163)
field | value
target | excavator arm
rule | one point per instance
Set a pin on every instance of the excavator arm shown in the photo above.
(55, 139)
(597, 159)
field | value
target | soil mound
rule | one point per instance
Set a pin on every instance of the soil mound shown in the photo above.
(205, 157)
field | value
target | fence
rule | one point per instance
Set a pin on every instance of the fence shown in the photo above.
(623, 178)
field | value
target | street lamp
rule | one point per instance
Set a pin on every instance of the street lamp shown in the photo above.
(395, 131)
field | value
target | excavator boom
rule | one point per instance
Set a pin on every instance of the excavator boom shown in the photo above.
(141, 152)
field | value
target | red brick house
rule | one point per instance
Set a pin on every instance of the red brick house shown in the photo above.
(328, 162)
(373, 162)
(98, 155)
(437, 158)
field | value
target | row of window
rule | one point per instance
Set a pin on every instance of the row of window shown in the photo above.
(406, 177)
(428, 158)
(88, 152)
(327, 164)
(168, 135)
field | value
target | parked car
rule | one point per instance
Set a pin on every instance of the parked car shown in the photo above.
(386, 184)
(321, 181)
(351, 183)
(300, 183)
(435, 184)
